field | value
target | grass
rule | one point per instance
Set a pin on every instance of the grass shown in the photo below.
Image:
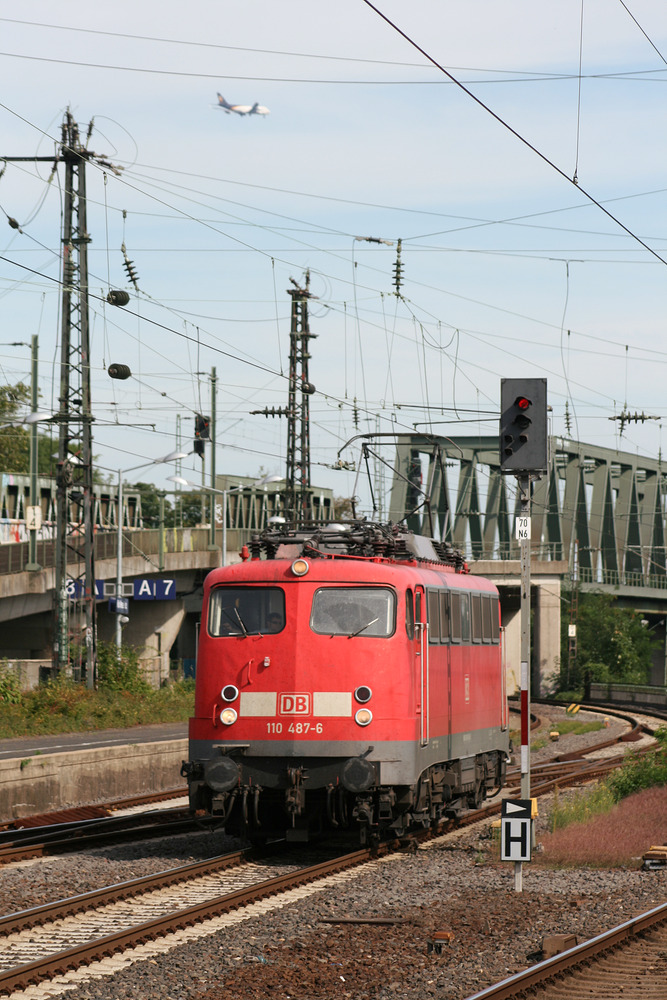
(66, 707)
(123, 699)
(615, 838)
(562, 727)
(614, 822)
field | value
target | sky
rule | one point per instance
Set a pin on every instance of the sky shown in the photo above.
(524, 175)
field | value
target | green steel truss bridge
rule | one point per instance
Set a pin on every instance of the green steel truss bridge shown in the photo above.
(602, 511)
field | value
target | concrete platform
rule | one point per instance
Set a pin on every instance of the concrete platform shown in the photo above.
(36, 780)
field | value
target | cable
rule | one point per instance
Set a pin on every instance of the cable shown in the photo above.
(581, 49)
(516, 134)
(653, 46)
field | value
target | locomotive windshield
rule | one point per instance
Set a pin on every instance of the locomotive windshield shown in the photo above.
(351, 611)
(246, 611)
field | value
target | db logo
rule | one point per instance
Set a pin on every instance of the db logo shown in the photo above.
(294, 704)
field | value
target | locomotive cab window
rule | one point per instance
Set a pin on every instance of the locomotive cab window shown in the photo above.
(351, 611)
(234, 611)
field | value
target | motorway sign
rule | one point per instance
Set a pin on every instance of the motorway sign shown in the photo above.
(515, 830)
(141, 589)
(76, 589)
(154, 590)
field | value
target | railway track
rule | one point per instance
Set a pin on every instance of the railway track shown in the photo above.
(84, 929)
(52, 939)
(85, 834)
(591, 762)
(95, 826)
(101, 810)
(630, 960)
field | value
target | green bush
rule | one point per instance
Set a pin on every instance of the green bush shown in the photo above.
(581, 807)
(639, 771)
(612, 643)
(10, 685)
(120, 674)
(63, 706)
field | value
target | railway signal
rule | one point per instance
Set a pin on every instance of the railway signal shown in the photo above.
(202, 433)
(523, 425)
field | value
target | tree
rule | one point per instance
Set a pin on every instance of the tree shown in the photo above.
(182, 511)
(15, 441)
(612, 643)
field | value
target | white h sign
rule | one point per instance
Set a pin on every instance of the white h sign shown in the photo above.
(515, 830)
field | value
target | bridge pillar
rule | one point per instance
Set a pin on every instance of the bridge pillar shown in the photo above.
(546, 635)
(545, 580)
(511, 622)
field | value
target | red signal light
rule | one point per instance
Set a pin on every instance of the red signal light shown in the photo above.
(522, 402)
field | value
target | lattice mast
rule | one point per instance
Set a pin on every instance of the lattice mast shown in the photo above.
(74, 478)
(297, 476)
(297, 411)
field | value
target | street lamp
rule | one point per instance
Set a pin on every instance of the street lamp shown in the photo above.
(224, 493)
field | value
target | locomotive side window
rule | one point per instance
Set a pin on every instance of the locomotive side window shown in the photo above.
(409, 615)
(495, 620)
(488, 608)
(352, 611)
(476, 608)
(433, 606)
(465, 617)
(455, 615)
(444, 615)
(246, 611)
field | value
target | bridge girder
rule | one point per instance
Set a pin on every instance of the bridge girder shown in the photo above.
(603, 510)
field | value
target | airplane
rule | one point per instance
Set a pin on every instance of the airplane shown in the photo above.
(242, 109)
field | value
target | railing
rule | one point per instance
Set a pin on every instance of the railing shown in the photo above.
(617, 578)
(14, 555)
(586, 575)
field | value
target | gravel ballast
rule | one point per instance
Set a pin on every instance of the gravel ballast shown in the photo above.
(299, 950)
(308, 948)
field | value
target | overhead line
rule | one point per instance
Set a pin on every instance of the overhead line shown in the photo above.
(514, 132)
(310, 80)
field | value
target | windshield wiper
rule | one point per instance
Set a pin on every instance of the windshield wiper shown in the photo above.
(360, 630)
(226, 612)
(241, 623)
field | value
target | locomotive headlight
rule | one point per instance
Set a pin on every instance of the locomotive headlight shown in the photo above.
(363, 716)
(363, 694)
(228, 716)
(300, 567)
(229, 692)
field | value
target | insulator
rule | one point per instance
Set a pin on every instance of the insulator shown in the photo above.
(117, 297)
(131, 273)
(398, 269)
(12, 222)
(119, 371)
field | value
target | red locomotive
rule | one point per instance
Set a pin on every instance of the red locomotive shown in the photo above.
(348, 675)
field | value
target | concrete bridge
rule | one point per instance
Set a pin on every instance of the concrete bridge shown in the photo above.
(163, 619)
(158, 627)
(598, 516)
